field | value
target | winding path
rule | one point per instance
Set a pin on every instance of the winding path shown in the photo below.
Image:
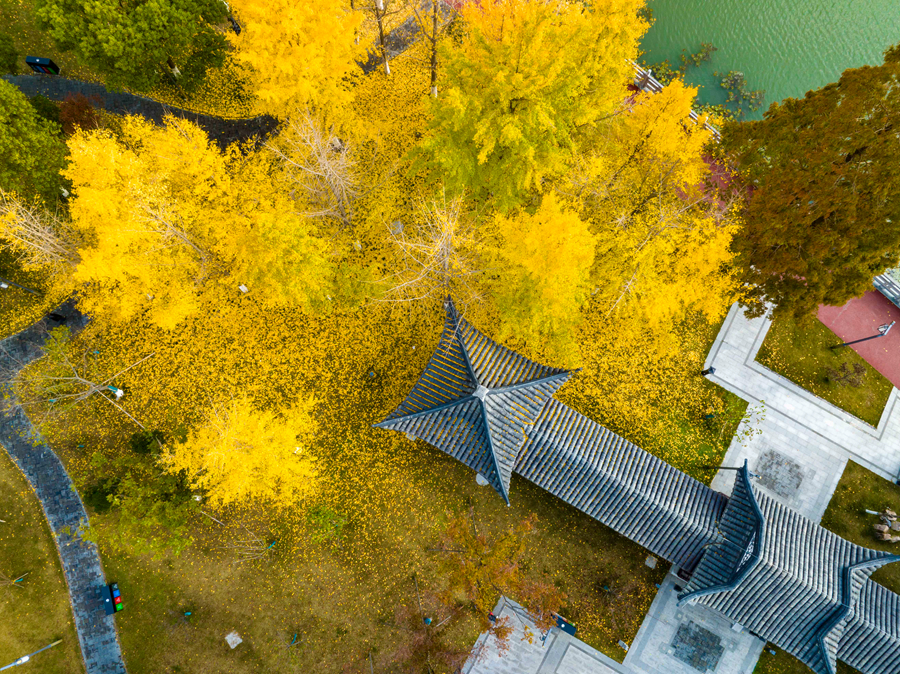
(221, 131)
(60, 501)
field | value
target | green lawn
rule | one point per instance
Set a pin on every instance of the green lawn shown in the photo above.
(861, 489)
(801, 353)
(783, 663)
(39, 612)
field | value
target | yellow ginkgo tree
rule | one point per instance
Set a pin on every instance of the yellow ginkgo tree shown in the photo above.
(241, 454)
(541, 276)
(164, 216)
(302, 53)
(524, 78)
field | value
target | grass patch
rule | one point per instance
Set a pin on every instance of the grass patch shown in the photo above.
(801, 353)
(784, 663)
(329, 596)
(39, 612)
(861, 489)
(19, 20)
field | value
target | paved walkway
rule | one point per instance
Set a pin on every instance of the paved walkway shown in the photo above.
(220, 131)
(62, 506)
(689, 639)
(559, 653)
(804, 442)
(861, 318)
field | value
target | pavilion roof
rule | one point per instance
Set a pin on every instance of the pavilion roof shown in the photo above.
(784, 577)
(474, 400)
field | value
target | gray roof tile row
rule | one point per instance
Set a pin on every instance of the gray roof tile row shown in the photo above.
(757, 562)
(619, 484)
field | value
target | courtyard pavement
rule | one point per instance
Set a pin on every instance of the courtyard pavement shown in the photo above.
(689, 639)
(559, 653)
(800, 443)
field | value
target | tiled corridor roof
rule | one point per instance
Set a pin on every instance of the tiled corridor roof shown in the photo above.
(616, 482)
(785, 577)
(755, 561)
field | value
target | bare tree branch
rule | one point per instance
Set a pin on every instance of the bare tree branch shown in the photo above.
(438, 258)
(41, 239)
(321, 165)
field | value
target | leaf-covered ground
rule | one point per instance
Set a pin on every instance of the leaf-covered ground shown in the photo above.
(339, 597)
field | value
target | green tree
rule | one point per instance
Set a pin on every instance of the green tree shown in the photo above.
(153, 508)
(518, 85)
(31, 151)
(9, 57)
(45, 108)
(138, 43)
(824, 215)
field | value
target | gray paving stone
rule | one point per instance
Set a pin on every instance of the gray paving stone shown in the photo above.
(61, 504)
(559, 653)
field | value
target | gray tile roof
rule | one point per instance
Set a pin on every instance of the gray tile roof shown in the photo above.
(727, 562)
(800, 592)
(475, 399)
(888, 287)
(621, 485)
(757, 562)
(871, 638)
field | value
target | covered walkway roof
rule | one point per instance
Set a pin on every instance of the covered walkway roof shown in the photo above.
(759, 563)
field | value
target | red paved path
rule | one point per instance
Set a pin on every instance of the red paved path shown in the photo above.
(860, 318)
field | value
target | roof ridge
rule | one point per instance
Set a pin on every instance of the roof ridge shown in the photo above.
(848, 601)
(756, 538)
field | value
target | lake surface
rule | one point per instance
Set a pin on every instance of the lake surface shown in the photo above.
(786, 47)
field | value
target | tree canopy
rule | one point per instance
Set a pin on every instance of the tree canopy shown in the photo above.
(166, 215)
(302, 54)
(517, 86)
(32, 154)
(824, 215)
(136, 44)
(241, 453)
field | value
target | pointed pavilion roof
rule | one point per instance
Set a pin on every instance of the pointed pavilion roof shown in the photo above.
(786, 578)
(474, 400)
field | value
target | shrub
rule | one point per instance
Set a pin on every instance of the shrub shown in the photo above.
(96, 496)
(9, 57)
(45, 108)
(325, 523)
(78, 112)
(146, 442)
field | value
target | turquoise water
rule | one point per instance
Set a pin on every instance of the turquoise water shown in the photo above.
(786, 47)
